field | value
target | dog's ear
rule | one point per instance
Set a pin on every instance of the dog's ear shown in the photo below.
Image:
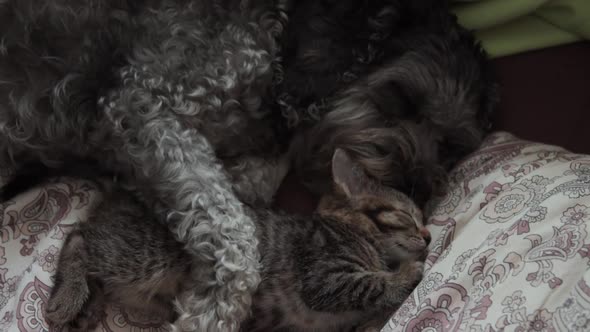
(348, 175)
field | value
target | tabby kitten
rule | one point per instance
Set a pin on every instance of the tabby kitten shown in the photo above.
(357, 258)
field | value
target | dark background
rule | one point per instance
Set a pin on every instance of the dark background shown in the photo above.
(545, 96)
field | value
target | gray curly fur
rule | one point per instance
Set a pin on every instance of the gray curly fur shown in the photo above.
(169, 94)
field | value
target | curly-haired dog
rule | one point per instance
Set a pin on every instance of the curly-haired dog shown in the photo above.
(170, 95)
(398, 84)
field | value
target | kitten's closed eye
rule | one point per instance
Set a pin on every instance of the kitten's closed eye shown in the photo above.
(390, 220)
(397, 218)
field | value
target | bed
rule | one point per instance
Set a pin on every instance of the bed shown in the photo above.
(510, 249)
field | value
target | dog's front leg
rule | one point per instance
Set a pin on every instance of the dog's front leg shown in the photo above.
(181, 171)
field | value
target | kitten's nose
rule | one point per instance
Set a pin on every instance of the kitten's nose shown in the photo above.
(425, 235)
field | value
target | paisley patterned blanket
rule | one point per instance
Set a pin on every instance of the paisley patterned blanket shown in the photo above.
(510, 250)
(511, 245)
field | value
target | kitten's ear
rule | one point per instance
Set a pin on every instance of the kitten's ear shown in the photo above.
(348, 176)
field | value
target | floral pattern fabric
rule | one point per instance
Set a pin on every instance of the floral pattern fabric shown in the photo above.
(510, 250)
(511, 245)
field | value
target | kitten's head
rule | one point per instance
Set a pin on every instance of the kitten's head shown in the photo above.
(391, 217)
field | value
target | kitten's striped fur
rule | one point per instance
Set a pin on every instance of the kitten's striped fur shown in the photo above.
(357, 258)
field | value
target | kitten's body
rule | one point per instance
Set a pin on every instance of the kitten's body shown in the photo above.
(122, 253)
(356, 259)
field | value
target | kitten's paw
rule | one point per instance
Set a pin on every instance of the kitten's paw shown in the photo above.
(413, 271)
(83, 324)
(60, 311)
(420, 267)
(80, 311)
(90, 315)
(375, 324)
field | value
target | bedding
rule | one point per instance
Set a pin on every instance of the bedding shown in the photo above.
(507, 27)
(510, 249)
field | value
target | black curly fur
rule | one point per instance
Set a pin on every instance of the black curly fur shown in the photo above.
(398, 84)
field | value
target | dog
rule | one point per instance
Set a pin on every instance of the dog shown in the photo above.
(170, 96)
(399, 85)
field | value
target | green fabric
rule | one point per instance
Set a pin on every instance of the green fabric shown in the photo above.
(512, 26)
